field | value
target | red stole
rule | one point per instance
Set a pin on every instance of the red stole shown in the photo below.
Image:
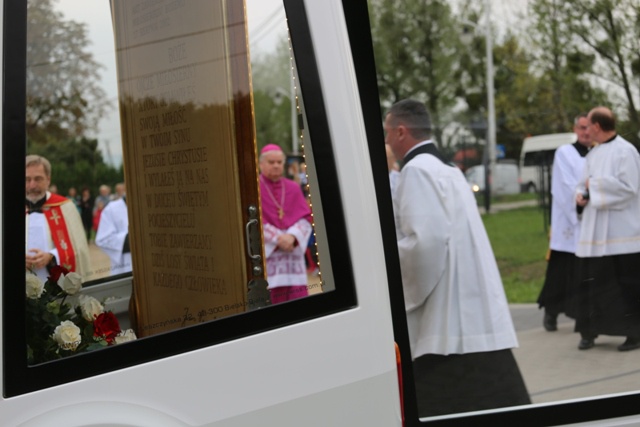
(59, 233)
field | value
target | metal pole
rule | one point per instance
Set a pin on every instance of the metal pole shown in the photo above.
(487, 181)
(491, 119)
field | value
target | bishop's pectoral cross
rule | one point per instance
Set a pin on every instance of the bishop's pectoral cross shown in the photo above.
(280, 213)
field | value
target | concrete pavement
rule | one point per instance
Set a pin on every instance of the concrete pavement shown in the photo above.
(554, 369)
(551, 364)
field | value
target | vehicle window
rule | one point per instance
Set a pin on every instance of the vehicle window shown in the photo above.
(541, 52)
(537, 158)
(167, 163)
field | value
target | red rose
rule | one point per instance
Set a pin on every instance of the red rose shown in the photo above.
(106, 326)
(56, 271)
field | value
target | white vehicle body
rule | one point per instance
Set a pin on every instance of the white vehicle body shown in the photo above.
(294, 365)
(303, 374)
(537, 150)
(504, 180)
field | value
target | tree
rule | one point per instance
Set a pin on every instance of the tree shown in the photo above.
(271, 78)
(415, 45)
(543, 73)
(470, 77)
(562, 64)
(77, 163)
(64, 98)
(521, 97)
(610, 30)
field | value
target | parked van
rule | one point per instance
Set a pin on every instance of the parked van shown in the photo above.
(215, 352)
(537, 151)
(504, 180)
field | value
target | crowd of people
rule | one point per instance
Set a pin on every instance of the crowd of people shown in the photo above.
(460, 328)
(103, 220)
(91, 208)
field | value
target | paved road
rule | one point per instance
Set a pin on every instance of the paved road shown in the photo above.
(552, 366)
(554, 369)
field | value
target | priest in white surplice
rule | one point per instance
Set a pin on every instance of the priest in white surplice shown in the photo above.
(609, 243)
(460, 328)
(113, 235)
(568, 165)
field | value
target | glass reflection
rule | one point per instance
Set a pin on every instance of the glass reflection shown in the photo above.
(292, 258)
(178, 129)
(187, 132)
(71, 167)
(71, 121)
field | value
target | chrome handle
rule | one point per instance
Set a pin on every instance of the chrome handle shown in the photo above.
(254, 257)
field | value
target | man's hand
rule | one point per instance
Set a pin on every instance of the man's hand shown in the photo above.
(581, 201)
(286, 242)
(36, 259)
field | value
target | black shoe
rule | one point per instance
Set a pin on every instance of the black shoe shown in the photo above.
(550, 322)
(587, 343)
(629, 344)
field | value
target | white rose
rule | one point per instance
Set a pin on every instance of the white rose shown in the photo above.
(67, 335)
(70, 283)
(125, 336)
(90, 308)
(34, 286)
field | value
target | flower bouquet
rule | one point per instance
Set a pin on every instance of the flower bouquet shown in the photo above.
(62, 322)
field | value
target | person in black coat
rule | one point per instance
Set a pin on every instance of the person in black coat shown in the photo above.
(86, 211)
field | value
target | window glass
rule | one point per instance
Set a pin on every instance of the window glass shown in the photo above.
(546, 62)
(539, 157)
(167, 159)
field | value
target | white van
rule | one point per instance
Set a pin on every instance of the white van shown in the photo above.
(325, 360)
(538, 151)
(504, 180)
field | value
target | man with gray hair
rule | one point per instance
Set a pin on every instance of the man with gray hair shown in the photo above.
(460, 329)
(54, 232)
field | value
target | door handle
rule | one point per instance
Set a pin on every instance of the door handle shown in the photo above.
(254, 257)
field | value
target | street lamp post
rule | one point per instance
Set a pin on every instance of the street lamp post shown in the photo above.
(490, 156)
(491, 109)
